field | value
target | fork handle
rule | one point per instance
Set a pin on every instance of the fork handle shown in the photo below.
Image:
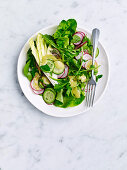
(95, 37)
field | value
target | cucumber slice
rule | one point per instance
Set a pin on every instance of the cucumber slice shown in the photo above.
(49, 96)
(45, 80)
(47, 57)
(48, 66)
(40, 85)
(51, 90)
(50, 63)
(59, 67)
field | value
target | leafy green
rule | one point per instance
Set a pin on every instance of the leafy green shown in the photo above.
(41, 46)
(26, 71)
(34, 50)
(69, 101)
(64, 32)
(30, 68)
(98, 77)
(68, 92)
(62, 42)
(59, 96)
(60, 85)
(49, 40)
(45, 68)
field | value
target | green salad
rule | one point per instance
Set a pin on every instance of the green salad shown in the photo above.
(59, 66)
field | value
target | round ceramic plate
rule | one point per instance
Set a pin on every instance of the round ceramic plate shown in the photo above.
(51, 110)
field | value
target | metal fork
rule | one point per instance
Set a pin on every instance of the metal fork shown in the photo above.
(91, 85)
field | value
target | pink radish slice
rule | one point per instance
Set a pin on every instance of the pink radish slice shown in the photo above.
(80, 45)
(81, 38)
(82, 33)
(38, 92)
(86, 57)
(65, 72)
(60, 75)
(79, 56)
(32, 85)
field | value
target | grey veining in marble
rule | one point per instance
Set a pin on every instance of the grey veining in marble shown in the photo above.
(29, 139)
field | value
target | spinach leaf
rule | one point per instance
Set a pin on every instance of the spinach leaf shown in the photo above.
(98, 77)
(64, 32)
(63, 42)
(72, 24)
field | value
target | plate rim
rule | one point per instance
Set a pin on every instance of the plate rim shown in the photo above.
(62, 115)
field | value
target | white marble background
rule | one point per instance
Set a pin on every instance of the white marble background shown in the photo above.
(30, 140)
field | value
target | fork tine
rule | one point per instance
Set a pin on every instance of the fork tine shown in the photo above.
(94, 87)
(90, 94)
(88, 97)
(87, 94)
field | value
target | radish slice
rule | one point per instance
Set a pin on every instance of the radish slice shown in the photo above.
(38, 92)
(81, 37)
(80, 45)
(34, 85)
(79, 56)
(86, 57)
(65, 72)
(60, 75)
(82, 33)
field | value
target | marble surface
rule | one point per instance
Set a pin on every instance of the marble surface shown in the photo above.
(29, 139)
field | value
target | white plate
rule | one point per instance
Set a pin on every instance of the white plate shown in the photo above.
(37, 100)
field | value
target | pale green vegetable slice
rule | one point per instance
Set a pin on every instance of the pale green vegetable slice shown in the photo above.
(59, 67)
(34, 51)
(76, 92)
(49, 49)
(59, 96)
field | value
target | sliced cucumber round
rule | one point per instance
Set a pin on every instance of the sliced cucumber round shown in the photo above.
(45, 80)
(40, 84)
(49, 95)
(59, 67)
(51, 89)
(50, 63)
